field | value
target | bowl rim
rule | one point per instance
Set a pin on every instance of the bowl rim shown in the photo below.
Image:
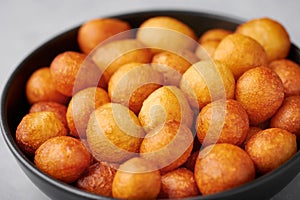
(20, 156)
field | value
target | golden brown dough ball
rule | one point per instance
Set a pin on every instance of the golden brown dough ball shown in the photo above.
(82, 104)
(98, 178)
(58, 109)
(207, 81)
(288, 115)
(63, 157)
(132, 83)
(206, 50)
(252, 131)
(40, 87)
(168, 147)
(179, 183)
(216, 34)
(240, 53)
(260, 91)
(95, 31)
(191, 161)
(64, 69)
(164, 33)
(109, 57)
(270, 148)
(221, 167)
(270, 34)
(289, 73)
(136, 179)
(222, 122)
(36, 128)
(173, 65)
(165, 104)
(114, 133)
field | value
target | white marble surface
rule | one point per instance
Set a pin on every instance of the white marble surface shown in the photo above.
(24, 25)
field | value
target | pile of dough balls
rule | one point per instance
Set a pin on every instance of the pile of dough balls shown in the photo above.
(162, 112)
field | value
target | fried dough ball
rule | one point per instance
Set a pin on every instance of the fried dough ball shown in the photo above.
(58, 109)
(136, 179)
(209, 41)
(206, 50)
(288, 115)
(168, 147)
(270, 148)
(173, 65)
(261, 93)
(64, 69)
(179, 183)
(191, 161)
(289, 73)
(164, 33)
(82, 104)
(240, 53)
(221, 167)
(95, 31)
(40, 87)
(114, 133)
(165, 104)
(89, 75)
(270, 34)
(98, 178)
(215, 34)
(132, 83)
(252, 131)
(111, 56)
(207, 81)
(36, 128)
(222, 122)
(63, 157)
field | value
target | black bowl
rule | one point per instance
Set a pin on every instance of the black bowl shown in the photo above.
(14, 106)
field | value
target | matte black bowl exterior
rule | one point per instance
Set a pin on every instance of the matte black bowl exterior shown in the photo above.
(14, 106)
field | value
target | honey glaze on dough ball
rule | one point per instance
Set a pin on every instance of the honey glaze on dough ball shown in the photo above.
(82, 104)
(36, 128)
(207, 81)
(114, 133)
(289, 73)
(58, 109)
(63, 157)
(40, 87)
(172, 65)
(64, 69)
(260, 91)
(95, 31)
(235, 123)
(270, 148)
(98, 178)
(221, 167)
(270, 34)
(163, 33)
(110, 56)
(168, 147)
(132, 83)
(288, 115)
(240, 53)
(136, 179)
(167, 103)
(179, 183)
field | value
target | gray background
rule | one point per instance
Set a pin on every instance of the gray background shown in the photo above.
(24, 25)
